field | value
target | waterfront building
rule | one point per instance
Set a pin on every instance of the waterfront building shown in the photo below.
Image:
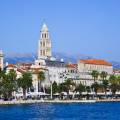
(94, 64)
(1, 59)
(72, 71)
(85, 68)
(18, 70)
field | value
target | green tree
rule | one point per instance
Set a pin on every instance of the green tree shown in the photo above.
(88, 89)
(2, 74)
(118, 80)
(113, 84)
(69, 85)
(25, 82)
(54, 87)
(105, 82)
(95, 86)
(103, 75)
(80, 88)
(8, 84)
(66, 86)
(95, 75)
(13, 83)
(62, 87)
(41, 78)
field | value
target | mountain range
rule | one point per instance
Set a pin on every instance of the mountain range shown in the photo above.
(30, 57)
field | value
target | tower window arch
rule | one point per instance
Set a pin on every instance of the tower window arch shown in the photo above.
(44, 52)
(45, 35)
(42, 35)
(43, 44)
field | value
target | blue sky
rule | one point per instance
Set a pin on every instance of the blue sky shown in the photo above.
(90, 27)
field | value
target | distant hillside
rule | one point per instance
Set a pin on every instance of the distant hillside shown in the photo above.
(115, 64)
(14, 58)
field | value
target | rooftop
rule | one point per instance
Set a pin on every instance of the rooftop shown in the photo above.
(71, 66)
(96, 62)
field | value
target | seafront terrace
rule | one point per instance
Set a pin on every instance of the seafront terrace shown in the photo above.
(40, 97)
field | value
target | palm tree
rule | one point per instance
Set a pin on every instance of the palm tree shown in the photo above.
(80, 88)
(95, 86)
(41, 78)
(88, 90)
(54, 87)
(103, 75)
(66, 86)
(118, 79)
(113, 84)
(25, 82)
(12, 78)
(105, 83)
(95, 75)
(69, 84)
(8, 84)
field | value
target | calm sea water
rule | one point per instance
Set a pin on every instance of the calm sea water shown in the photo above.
(92, 111)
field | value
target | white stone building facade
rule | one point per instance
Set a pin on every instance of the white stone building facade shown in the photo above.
(85, 68)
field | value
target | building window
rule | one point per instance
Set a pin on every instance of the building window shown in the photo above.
(43, 44)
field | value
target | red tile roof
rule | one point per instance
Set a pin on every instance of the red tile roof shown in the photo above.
(11, 65)
(71, 65)
(37, 70)
(96, 62)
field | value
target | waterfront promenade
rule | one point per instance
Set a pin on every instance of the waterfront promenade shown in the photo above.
(45, 101)
(56, 101)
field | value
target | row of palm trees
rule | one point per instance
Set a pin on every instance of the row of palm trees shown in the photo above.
(102, 83)
(9, 83)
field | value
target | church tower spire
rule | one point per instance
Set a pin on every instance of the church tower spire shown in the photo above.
(44, 48)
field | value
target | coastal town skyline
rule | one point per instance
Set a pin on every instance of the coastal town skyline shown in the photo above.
(59, 59)
(90, 30)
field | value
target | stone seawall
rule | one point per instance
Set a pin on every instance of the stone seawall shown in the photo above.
(45, 101)
(56, 101)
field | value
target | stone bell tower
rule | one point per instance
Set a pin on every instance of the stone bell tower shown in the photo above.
(44, 47)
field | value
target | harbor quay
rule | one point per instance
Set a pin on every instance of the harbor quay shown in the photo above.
(56, 101)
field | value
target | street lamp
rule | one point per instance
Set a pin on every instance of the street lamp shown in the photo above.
(51, 94)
